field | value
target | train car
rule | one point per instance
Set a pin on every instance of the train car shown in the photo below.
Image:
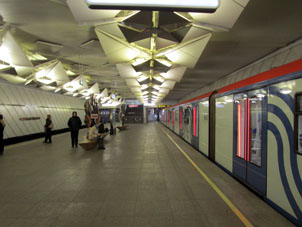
(253, 130)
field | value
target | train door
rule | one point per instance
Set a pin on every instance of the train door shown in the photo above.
(195, 128)
(250, 126)
(212, 125)
(181, 122)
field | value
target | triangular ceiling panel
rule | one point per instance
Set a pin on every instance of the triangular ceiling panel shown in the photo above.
(179, 34)
(175, 74)
(58, 73)
(111, 28)
(225, 16)
(168, 84)
(104, 93)
(167, 36)
(10, 71)
(13, 79)
(135, 89)
(94, 89)
(126, 71)
(195, 32)
(145, 67)
(116, 51)
(23, 71)
(171, 21)
(140, 21)
(12, 53)
(163, 43)
(133, 36)
(132, 83)
(83, 15)
(189, 53)
(145, 43)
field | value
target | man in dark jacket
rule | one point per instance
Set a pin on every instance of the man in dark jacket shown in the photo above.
(74, 125)
(2, 126)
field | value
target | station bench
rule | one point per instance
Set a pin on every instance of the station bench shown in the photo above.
(122, 127)
(91, 144)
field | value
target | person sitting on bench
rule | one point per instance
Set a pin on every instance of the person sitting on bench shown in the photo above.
(94, 134)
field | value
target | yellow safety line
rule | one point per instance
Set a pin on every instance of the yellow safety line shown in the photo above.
(245, 221)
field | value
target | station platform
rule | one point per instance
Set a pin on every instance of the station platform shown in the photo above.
(146, 176)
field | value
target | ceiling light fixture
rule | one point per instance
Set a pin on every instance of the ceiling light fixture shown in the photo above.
(285, 90)
(206, 6)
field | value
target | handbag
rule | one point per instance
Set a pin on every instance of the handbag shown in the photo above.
(51, 125)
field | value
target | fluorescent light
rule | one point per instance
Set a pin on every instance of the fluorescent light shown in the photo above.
(4, 66)
(70, 73)
(142, 78)
(37, 57)
(88, 42)
(144, 86)
(285, 91)
(75, 94)
(259, 95)
(58, 89)
(45, 80)
(159, 78)
(172, 5)
(49, 44)
(138, 61)
(164, 62)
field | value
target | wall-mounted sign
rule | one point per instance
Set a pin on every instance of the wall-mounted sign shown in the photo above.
(133, 106)
(163, 106)
(29, 118)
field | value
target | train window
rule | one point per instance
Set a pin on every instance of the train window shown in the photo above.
(173, 118)
(298, 124)
(255, 129)
(180, 118)
(241, 122)
(187, 116)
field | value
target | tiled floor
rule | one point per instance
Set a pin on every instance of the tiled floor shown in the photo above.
(141, 179)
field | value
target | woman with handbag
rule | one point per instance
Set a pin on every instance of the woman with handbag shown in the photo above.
(47, 127)
(2, 126)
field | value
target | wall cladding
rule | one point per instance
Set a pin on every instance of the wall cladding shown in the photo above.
(21, 102)
(280, 57)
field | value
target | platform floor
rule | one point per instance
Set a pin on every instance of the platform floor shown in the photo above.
(141, 179)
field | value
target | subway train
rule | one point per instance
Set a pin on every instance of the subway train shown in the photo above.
(252, 129)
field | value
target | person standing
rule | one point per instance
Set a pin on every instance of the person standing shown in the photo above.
(47, 127)
(2, 126)
(74, 124)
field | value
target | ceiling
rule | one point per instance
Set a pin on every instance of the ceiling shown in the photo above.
(262, 27)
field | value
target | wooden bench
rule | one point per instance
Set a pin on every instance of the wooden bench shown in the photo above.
(122, 127)
(91, 144)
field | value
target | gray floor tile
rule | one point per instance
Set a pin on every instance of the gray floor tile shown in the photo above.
(118, 209)
(153, 208)
(156, 221)
(81, 210)
(141, 179)
(113, 222)
(91, 196)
